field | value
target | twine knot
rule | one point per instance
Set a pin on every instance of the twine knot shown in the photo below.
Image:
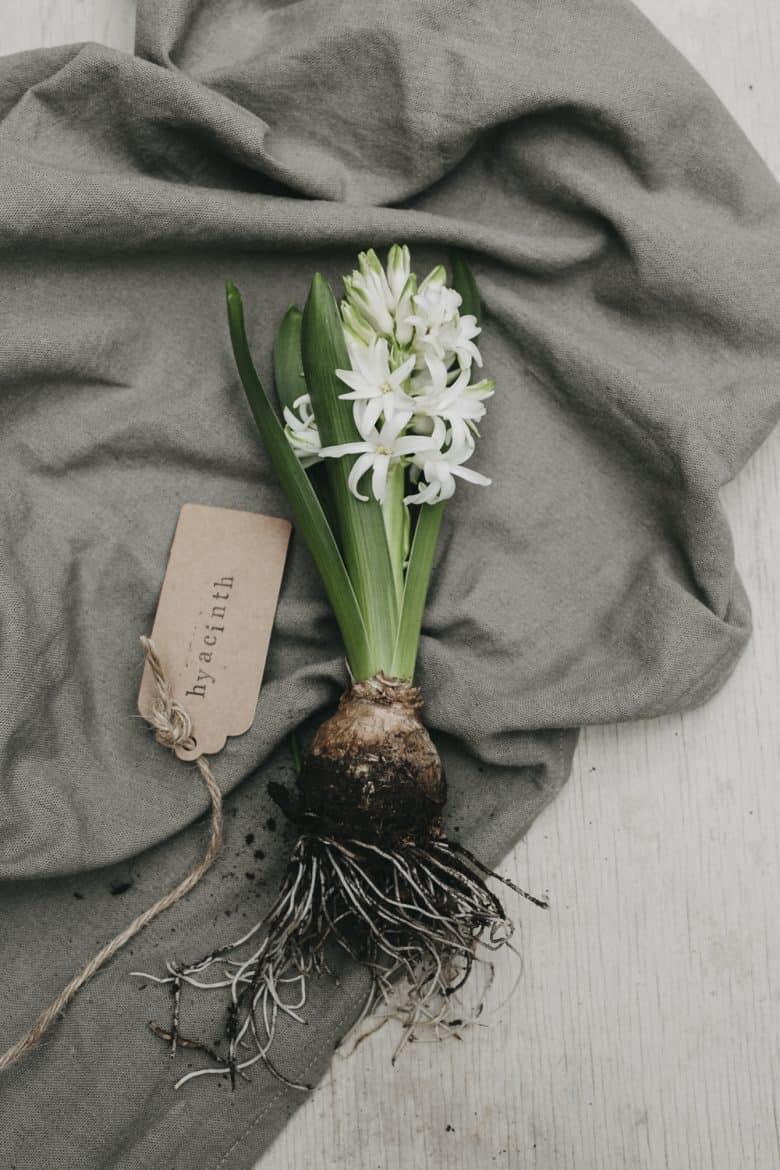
(171, 722)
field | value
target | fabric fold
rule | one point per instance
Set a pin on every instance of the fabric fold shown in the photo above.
(625, 238)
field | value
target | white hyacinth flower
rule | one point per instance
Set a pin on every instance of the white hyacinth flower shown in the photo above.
(377, 452)
(357, 330)
(458, 404)
(455, 338)
(435, 305)
(413, 402)
(369, 293)
(439, 468)
(399, 269)
(435, 320)
(436, 278)
(301, 430)
(404, 326)
(376, 386)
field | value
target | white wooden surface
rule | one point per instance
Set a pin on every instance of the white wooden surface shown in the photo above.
(644, 1033)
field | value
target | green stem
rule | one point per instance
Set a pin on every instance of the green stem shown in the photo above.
(418, 576)
(396, 519)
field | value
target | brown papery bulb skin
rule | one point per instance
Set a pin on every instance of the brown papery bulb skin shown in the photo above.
(372, 772)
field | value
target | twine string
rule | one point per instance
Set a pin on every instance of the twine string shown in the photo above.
(172, 728)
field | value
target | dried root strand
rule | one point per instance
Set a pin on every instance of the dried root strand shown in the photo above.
(418, 917)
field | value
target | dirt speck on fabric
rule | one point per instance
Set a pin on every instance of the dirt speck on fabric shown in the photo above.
(120, 888)
(249, 838)
(270, 824)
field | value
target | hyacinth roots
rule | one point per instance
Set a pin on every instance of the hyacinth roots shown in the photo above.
(371, 872)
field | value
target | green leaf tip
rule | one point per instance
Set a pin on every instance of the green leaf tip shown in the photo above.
(464, 282)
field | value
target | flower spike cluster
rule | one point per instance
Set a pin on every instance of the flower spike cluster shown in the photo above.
(410, 385)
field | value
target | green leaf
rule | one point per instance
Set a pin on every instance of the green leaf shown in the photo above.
(307, 511)
(288, 364)
(290, 382)
(418, 575)
(361, 527)
(463, 282)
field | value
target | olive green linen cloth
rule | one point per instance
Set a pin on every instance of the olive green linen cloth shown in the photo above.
(626, 240)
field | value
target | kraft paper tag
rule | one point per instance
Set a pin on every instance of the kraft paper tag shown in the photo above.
(214, 619)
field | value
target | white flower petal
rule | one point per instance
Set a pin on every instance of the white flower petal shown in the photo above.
(403, 371)
(471, 476)
(411, 444)
(353, 379)
(379, 477)
(339, 449)
(393, 427)
(356, 474)
(367, 415)
(427, 494)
